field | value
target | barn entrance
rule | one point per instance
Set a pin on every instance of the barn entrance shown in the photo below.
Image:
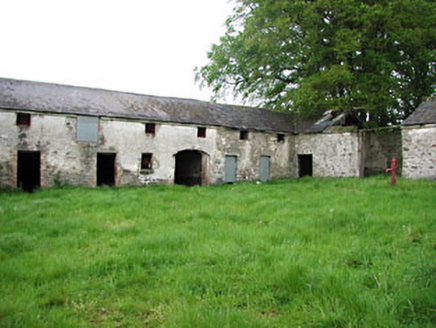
(29, 170)
(191, 168)
(305, 165)
(105, 169)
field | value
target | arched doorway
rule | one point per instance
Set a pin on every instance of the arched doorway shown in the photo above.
(191, 168)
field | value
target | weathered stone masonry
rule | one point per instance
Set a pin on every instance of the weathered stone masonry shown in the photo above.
(419, 152)
(419, 142)
(379, 146)
(334, 154)
(82, 136)
(152, 140)
(66, 160)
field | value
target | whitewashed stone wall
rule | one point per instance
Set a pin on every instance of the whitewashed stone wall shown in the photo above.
(62, 158)
(334, 154)
(66, 160)
(128, 140)
(8, 139)
(419, 155)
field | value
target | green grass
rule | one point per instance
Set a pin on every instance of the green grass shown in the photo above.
(307, 252)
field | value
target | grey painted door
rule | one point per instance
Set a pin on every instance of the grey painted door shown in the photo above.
(264, 168)
(230, 169)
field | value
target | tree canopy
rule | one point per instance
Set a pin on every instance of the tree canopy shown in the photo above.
(373, 57)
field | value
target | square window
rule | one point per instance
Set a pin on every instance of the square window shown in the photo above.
(146, 161)
(280, 137)
(150, 128)
(23, 119)
(243, 135)
(201, 132)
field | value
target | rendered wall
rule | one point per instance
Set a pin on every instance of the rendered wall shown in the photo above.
(129, 141)
(62, 158)
(334, 154)
(419, 152)
(66, 160)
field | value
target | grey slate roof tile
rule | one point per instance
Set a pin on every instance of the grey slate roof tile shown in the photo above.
(424, 114)
(63, 99)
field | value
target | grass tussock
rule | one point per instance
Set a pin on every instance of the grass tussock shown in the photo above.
(300, 253)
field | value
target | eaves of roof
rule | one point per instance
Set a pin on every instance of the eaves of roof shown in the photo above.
(63, 99)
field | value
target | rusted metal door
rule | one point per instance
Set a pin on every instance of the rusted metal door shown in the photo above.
(230, 169)
(264, 168)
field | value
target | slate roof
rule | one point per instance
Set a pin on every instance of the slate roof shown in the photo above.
(424, 114)
(63, 99)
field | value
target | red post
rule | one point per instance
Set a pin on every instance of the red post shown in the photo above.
(393, 170)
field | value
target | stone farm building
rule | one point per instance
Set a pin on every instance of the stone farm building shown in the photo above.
(55, 134)
(419, 142)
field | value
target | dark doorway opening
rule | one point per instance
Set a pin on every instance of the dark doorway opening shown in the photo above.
(305, 165)
(105, 169)
(29, 170)
(188, 168)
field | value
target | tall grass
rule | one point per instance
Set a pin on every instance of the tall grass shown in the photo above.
(299, 253)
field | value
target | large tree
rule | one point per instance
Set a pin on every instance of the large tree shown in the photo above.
(373, 57)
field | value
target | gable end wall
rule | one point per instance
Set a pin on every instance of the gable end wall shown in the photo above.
(419, 152)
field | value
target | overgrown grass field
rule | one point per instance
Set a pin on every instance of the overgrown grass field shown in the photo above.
(307, 252)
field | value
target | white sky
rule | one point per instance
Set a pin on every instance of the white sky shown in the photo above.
(142, 46)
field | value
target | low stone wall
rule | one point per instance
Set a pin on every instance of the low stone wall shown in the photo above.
(419, 152)
(379, 146)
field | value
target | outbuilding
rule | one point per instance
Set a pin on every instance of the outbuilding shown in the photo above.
(54, 134)
(419, 142)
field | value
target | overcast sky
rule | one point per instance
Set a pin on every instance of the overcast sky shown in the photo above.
(142, 46)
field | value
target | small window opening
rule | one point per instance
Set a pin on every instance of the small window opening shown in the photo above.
(243, 135)
(201, 132)
(23, 119)
(146, 161)
(280, 137)
(150, 128)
